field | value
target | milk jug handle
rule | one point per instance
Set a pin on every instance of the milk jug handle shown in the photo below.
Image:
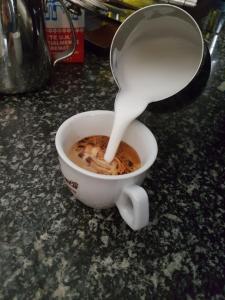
(62, 55)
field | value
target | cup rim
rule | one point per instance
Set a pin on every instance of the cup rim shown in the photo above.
(67, 161)
(149, 7)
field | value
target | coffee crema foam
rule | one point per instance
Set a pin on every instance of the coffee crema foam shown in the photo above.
(88, 154)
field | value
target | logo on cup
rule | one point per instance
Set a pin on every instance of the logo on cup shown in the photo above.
(73, 186)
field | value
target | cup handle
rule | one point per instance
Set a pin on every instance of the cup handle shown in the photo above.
(133, 206)
(67, 53)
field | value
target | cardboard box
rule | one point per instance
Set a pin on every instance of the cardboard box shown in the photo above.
(58, 31)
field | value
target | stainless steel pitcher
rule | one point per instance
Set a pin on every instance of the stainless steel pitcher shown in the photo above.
(25, 62)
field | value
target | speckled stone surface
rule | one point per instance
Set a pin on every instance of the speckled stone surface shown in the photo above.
(54, 248)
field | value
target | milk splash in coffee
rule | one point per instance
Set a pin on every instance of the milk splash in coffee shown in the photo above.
(149, 70)
(88, 154)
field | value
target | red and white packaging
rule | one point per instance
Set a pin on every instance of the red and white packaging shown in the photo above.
(58, 31)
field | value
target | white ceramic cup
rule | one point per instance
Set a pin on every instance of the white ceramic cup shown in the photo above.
(104, 191)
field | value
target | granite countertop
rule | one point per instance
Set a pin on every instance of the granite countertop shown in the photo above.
(52, 247)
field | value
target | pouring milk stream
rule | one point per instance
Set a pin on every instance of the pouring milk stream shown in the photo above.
(160, 55)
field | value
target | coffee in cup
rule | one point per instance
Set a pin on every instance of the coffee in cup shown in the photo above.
(88, 153)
